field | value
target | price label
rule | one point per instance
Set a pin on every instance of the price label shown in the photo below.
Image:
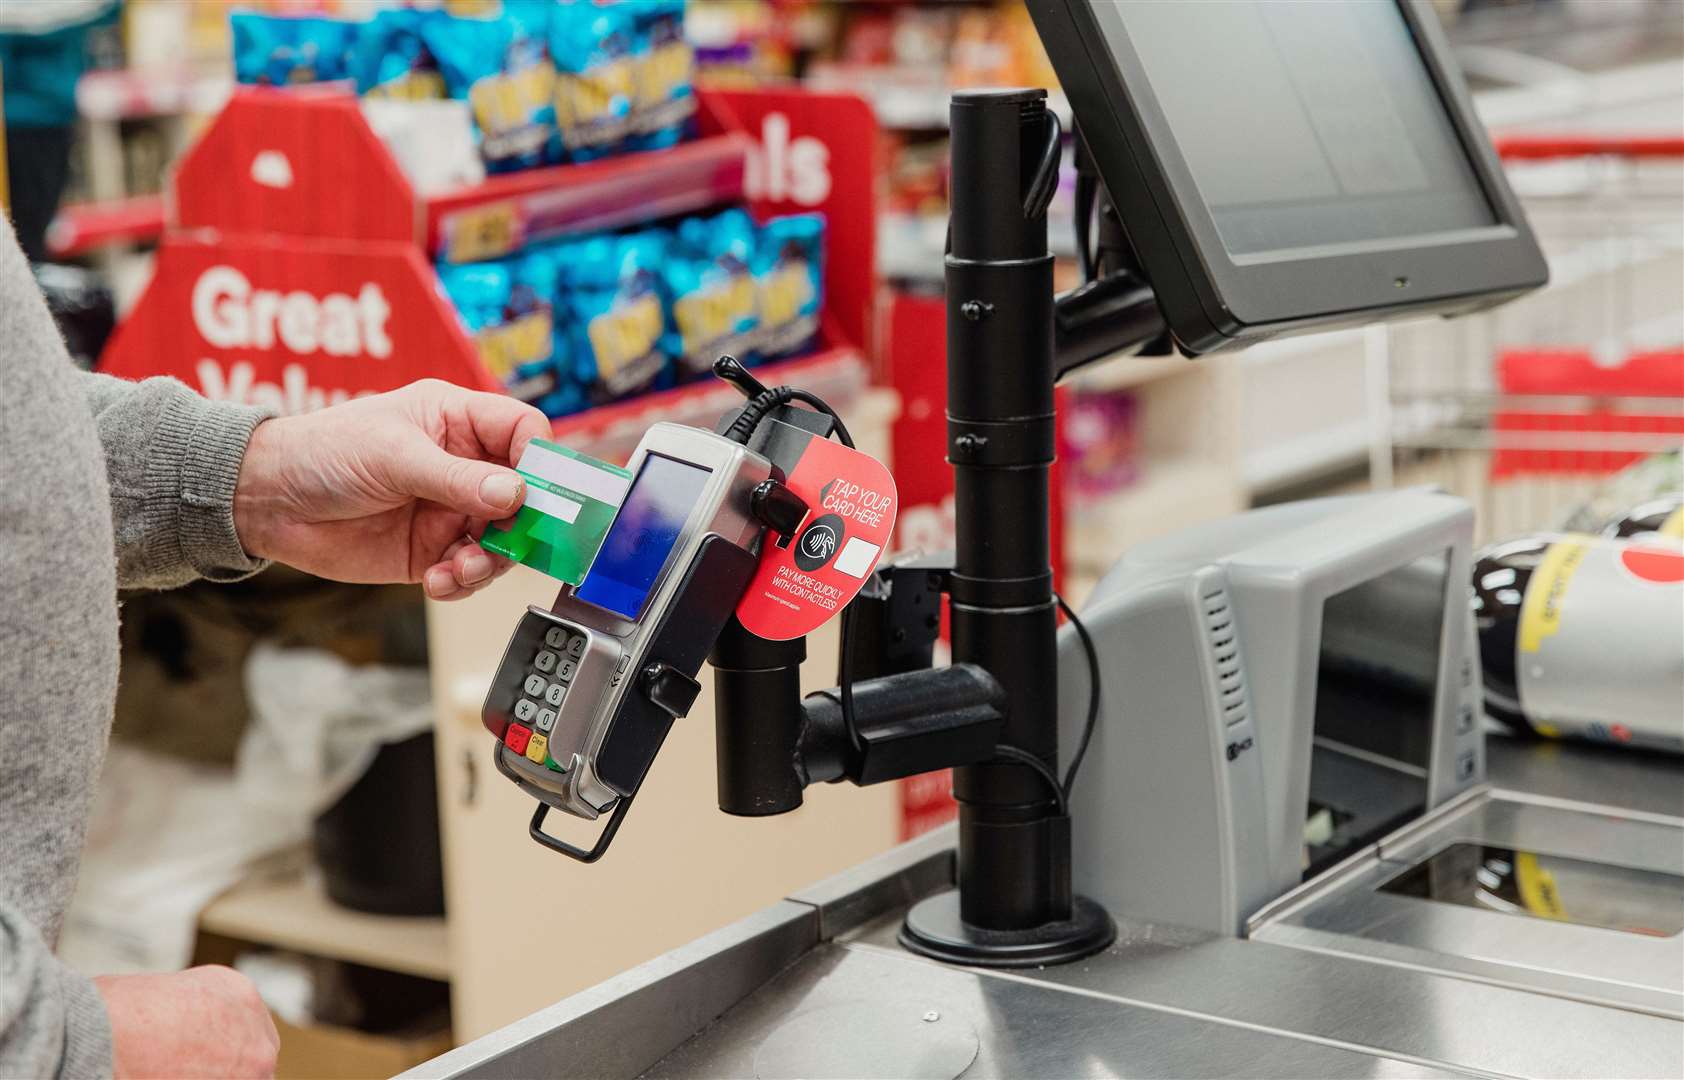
(482, 232)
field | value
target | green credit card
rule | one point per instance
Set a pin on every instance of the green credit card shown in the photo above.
(570, 502)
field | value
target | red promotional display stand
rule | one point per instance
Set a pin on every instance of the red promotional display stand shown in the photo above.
(296, 268)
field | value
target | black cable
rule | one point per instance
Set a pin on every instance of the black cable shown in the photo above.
(758, 408)
(1093, 696)
(845, 682)
(1017, 754)
(741, 430)
(1083, 218)
(1045, 181)
(845, 679)
(821, 405)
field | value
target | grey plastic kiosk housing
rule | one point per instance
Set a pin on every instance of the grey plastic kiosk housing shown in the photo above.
(1306, 667)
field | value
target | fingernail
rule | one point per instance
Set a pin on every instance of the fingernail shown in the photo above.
(476, 568)
(500, 489)
(438, 581)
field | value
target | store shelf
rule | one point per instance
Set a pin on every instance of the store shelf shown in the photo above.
(509, 211)
(125, 94)
(910, 247)
(1545, 147)
(274, 163)
(905, 99)
(612, 431)
(294, 913)
(913, 247)
(1308, 457)
(84, 227)
(1125, 373)
(1169, 495)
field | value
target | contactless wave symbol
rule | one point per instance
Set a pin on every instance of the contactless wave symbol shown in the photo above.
(818, 542)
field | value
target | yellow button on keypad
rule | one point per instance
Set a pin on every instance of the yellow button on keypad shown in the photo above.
(535, 748)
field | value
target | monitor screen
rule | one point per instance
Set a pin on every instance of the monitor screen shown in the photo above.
(1304, 125)
(1376, 695)
(644, 532)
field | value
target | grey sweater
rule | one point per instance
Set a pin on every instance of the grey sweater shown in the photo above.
(103, 484)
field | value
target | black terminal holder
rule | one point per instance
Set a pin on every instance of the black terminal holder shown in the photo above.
(1008, 341)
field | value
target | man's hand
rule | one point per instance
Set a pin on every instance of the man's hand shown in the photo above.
(392, 488)
(202, 1022)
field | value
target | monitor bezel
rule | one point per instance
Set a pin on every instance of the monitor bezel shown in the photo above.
(1211, 299)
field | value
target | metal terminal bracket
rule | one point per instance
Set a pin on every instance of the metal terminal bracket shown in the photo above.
(597, 850)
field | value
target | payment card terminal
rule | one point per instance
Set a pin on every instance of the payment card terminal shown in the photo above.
(588, 689)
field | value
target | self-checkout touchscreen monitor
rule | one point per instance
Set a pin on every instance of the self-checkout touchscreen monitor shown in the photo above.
(645, 531)
(1287, 165)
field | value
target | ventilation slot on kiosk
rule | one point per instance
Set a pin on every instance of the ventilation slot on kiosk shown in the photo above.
(1225, 650)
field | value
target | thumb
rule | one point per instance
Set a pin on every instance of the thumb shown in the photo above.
(478, 489)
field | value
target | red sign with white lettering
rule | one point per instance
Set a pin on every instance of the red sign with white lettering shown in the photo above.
(293, 324)
(299, 160)
(804, 580)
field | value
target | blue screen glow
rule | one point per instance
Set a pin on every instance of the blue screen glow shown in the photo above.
(643, 535)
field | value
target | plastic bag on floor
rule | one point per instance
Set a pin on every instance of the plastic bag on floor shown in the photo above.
(167, 836)
(318, 722)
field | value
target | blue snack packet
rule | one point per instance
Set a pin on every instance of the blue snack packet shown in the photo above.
(499, 63)
(392, 60)
(276, 50)
(789, 273)
(509, 309)
(618, 313)
(596, 77)
(666, 70)
(714, 295)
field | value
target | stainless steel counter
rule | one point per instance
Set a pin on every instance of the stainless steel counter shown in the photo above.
(1651, 784)
(817, 986)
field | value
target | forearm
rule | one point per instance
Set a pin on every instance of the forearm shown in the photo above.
(52, 1020)
(172, 459)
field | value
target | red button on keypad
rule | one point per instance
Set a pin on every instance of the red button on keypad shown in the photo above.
(517, 737)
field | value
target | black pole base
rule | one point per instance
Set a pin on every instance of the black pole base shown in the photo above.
(933, 928)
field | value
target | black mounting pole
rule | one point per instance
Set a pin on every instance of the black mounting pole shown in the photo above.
(1014, 905)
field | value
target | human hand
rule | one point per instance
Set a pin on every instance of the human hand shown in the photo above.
(392, 488)
(202, 1022)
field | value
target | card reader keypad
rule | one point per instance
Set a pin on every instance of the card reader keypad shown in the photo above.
(549, 674)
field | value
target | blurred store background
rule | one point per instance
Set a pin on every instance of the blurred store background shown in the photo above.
(599, 206)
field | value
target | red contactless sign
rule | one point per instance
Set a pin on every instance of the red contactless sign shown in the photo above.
(804, 580)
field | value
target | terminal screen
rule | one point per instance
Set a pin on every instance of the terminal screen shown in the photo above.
(1376, 698)
(1304, 125)
(642, 537)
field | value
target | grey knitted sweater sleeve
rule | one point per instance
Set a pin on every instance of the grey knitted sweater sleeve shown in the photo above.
(101, 481)
(171, 459)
